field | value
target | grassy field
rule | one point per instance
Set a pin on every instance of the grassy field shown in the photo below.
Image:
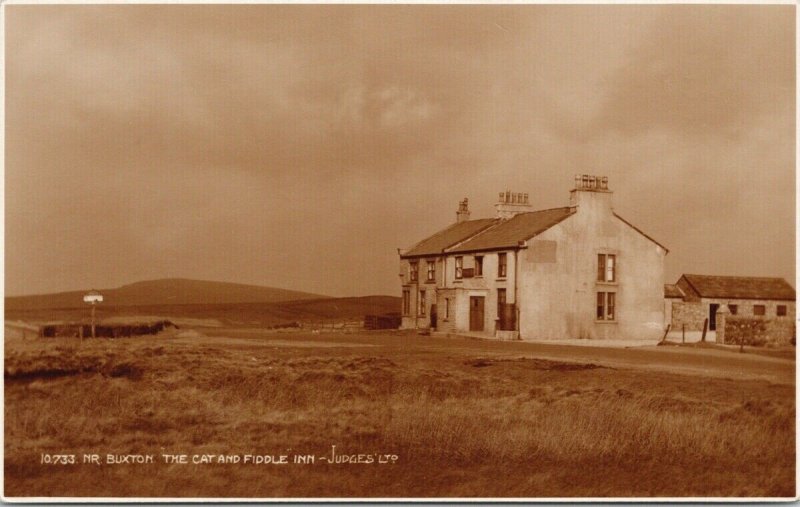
(308, 311)
(464, 418)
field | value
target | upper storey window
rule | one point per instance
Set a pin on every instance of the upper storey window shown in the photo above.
(502, 265)
(606, 268)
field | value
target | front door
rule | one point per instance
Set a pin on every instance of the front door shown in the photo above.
(712, 316)
(476, 313)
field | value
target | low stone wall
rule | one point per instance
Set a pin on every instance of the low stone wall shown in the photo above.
(385, 321)
(332, 325)
(104, 331)
(733, 329)
(689, 314)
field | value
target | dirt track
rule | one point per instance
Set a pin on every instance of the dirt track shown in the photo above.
(689, 361)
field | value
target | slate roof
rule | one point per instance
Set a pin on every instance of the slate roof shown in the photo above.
(508, 233)
(740, 287)
(672, 291)
(449, 236)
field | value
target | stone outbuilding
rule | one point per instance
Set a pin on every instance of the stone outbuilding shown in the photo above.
(579, 271)
(762, 308)
(672, 293)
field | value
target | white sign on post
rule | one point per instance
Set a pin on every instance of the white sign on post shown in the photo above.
(95, 297)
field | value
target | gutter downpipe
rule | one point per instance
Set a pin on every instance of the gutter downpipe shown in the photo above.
(416, 299)
(516, 292)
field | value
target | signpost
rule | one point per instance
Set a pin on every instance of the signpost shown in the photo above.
(93, 297)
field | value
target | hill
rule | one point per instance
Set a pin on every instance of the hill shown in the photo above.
(171, 291)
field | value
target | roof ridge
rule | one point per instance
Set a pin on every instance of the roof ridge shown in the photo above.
(739, 276)
(542, 210)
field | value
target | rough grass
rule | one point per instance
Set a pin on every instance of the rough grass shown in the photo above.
(461, 423)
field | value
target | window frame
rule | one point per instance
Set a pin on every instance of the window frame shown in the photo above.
(406, 302)
(781, 310)
(459, 267)
(759, 310)
(607, 267)
(413, 271)
(502, 264)
(430, 274)
(734, 309)
(478, 265)
(421, 302)
(606, 306)
(501, 301)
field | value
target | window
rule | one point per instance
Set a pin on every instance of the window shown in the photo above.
(606, 267)
(459, 268)
(501, 301)
(606, 302)
(478, 265)
(422, 303)
(406, 302)
(501, 265)
(734, 309)
(446, 308)
(759, 310)
(413, 271)
(780, 311)
(431, 271)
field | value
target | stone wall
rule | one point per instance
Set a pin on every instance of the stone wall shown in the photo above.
(689, 314)
(757, 331)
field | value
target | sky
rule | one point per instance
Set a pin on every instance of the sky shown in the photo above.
(299, 146)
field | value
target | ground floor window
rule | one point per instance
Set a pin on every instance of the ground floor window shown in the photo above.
(406, 302)
(734, 309)
(781, 311)
(422, 303)
(501, 301)
(606, 305)
(446, 308)
(759, 310)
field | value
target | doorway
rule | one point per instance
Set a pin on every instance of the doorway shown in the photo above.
(712, 316)
(476, 313)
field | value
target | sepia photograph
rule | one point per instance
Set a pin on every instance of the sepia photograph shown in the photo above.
(399, 252)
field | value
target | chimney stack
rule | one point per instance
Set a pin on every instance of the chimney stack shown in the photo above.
(462, 215)
(591, 192)
(511, 204)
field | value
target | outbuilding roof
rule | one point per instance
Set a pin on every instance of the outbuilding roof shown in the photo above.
(449, 236)
(740, 287)
(509, 233)
(672, 291)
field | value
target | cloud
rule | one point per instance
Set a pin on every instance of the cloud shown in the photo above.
(299, 145)
(704, 71)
